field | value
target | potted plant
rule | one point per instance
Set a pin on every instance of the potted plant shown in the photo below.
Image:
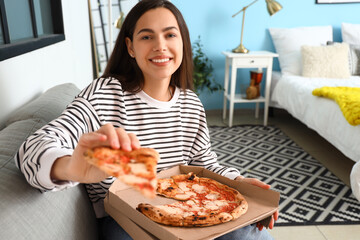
(203, 70)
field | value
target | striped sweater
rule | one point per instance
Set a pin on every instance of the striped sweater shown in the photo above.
(176, 129)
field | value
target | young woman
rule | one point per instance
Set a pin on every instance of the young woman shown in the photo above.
(143, 99)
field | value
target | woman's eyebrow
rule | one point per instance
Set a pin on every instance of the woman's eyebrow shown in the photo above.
(152, 31)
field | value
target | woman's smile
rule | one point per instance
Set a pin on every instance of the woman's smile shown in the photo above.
(161, 61)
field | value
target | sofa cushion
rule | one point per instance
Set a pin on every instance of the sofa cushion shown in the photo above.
(13, 136)
(26, 213)
(57, 97)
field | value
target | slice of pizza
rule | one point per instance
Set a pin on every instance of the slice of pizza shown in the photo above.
(136, 168)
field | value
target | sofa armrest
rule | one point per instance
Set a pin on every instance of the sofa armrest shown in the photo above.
(47, 106)
(26, 213)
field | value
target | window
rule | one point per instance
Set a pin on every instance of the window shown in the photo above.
(27, 25)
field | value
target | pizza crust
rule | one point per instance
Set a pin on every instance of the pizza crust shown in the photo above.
(160, 215)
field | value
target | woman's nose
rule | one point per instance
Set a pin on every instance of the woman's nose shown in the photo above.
(160, 45)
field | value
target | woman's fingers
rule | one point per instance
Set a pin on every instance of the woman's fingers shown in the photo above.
(92, 139)
(276, 215)
(259, 226)
(123, 139)
(111, 134)
(135, 144)
(271, 224)
(256, 182)
(119, 138)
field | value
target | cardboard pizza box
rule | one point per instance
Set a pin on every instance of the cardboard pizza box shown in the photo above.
(122, 201)
(134, 230)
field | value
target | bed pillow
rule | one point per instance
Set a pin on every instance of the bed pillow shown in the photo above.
(350, 33)
(288, 42)
(330, 61)
(354, 59)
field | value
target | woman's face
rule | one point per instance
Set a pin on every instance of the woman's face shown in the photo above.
(157, 44)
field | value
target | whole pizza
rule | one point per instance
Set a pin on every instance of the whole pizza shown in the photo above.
(202, 202)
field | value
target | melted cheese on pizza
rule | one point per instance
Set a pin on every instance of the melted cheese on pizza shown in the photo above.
(214, 205)
(138, 168)
(183, 186)
(212, 196)
(198, 188)
(170, 209)
(164, 184)
(182, 196)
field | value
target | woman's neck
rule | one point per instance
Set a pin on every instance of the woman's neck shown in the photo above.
(161, 92)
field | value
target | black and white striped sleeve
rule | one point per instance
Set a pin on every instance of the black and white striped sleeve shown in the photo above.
(202, 154)
(56, 139)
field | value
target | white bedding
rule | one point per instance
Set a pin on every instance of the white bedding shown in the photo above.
(294, 93)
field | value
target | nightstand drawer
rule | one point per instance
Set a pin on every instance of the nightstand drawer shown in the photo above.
(249, 62)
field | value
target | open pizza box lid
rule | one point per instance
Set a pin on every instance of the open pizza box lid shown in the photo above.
(122, 201)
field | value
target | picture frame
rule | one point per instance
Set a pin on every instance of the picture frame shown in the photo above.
(336, 1)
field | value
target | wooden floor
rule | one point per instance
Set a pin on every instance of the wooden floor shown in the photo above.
(317, 147)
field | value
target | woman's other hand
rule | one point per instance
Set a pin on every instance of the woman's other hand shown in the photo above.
(257, 182)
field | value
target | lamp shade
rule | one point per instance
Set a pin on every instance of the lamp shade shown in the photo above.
(273, 7)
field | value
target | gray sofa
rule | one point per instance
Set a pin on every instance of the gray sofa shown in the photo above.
(25, 212)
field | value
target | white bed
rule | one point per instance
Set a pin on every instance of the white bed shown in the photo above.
(294, 93)
(305, 55)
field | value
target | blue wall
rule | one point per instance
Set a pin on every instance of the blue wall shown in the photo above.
(220, 32)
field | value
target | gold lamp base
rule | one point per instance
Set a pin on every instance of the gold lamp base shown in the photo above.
(240, 49)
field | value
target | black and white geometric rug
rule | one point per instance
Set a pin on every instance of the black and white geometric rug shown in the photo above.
(310, 194)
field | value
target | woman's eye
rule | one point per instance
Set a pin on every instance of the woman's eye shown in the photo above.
(145, 37)
(171, 35)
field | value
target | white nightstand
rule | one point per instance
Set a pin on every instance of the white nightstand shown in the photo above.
(253, 59)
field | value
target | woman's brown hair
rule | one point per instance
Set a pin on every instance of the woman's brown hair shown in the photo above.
(125, 69)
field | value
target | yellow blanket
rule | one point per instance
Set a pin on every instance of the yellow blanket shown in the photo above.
(348, 99)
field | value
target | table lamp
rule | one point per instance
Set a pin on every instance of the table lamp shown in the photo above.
(272, 7)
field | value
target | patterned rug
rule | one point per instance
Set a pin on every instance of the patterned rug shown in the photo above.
(310, 194)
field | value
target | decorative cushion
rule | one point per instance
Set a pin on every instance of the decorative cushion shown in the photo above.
(288, 42)
(326, 61)
(13, 136)
(350, 33)
(354, 59)
(48, 106)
